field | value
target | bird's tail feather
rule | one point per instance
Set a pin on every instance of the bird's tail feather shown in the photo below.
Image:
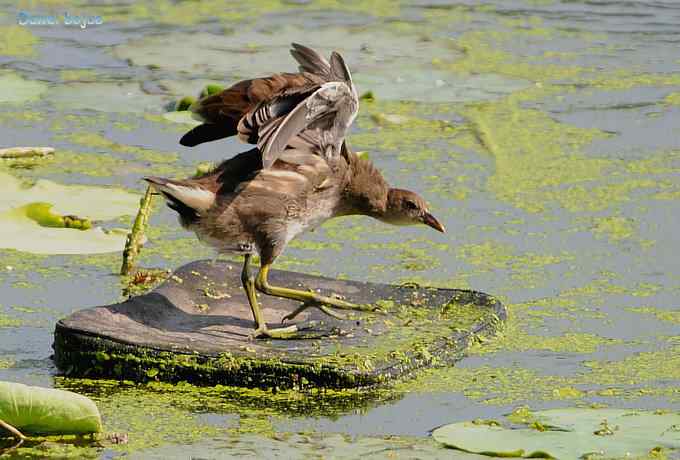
(185, 197)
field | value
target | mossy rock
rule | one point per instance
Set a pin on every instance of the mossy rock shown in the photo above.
(195, 327)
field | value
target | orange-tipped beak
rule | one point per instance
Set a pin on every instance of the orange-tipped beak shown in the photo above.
(431, 221)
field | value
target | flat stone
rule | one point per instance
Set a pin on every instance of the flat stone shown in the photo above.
(196, 327)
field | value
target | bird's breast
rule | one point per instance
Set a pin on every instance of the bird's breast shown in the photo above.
(316, 213)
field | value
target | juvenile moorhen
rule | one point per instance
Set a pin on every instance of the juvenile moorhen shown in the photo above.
(300, 175)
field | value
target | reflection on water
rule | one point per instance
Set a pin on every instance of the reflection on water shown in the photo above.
(542, 131)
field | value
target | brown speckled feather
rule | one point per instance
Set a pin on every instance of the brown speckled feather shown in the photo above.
(222, 112)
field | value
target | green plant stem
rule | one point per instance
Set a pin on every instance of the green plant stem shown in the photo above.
(133, 243)
(16, 433)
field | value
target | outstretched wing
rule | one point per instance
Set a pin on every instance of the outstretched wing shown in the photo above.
(311, 62)
(221, 112)
(317, 105)
(322, 119)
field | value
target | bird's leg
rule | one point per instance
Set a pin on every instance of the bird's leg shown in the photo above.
(311, 298)
(261, 329)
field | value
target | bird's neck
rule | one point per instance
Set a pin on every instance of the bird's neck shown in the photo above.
(366, 189)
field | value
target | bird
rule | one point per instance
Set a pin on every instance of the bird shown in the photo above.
(300, 174)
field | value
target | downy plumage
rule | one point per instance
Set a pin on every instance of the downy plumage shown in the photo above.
(300, 175)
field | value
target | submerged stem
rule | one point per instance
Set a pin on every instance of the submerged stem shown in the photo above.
(16, 433)
(134, 239)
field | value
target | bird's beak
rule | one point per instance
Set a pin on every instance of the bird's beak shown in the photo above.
(431, 221)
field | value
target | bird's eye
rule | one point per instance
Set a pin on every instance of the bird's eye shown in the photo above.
(411, 205)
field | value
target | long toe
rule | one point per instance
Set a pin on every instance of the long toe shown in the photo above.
(344, 305)
(307, 305)
(285, 333)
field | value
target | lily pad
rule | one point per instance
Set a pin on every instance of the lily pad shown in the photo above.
(39, 410)
(567, 433)
(15, 89)
(40, 219)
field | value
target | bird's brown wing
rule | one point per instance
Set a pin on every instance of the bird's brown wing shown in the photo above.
(221, 112)
(317, 105)
(321, 119)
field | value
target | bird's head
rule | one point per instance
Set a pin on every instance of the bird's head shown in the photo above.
(405, 207)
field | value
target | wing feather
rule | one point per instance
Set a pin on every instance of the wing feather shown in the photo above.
(311, 61)
(316, 107)
(320, 111)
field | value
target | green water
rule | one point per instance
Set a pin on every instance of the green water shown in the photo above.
(543, 133)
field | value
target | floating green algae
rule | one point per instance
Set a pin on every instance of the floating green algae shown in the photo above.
(168, 12)
(527, 269)
(78, 75)
(536, 158)
(12, 118)
(8, 321)
(418, 129)
(491, 255)
(101, 143)
(615, 228)
(71, 162)
(637, 369)
(309, 445)
(493, 385)
(513, 338)
(539, 161)
(17, 41)
(156, 413)
(413, 254)
(624, 79)
(539, 164)
(480, 54)
(672, 99)
(672, 316)
(633, 377)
